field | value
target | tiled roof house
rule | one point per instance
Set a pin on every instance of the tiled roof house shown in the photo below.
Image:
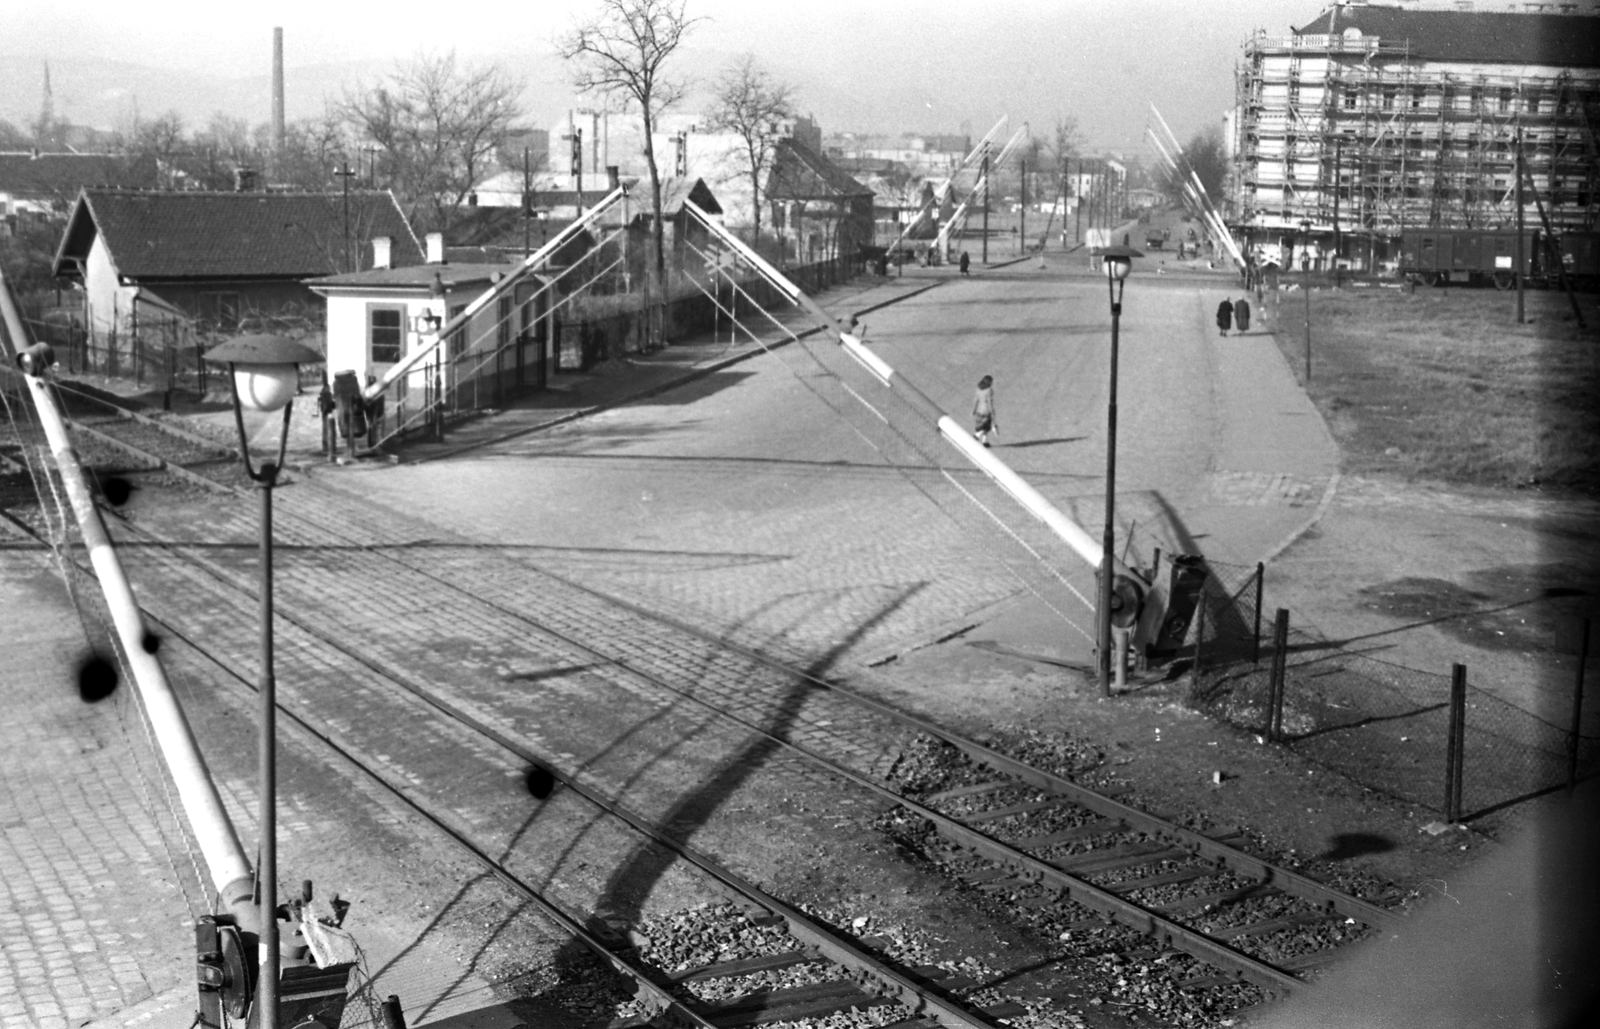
(818, 207)
(227, 260)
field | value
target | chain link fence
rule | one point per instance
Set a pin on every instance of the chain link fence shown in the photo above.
(154, 345)
(1426, 738)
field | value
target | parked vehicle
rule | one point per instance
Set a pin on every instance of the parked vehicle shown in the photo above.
(1441, 257)
(1154, 239)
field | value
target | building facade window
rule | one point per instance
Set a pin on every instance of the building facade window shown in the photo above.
(385, 333)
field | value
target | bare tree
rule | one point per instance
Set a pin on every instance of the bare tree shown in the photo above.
(1063, 144)
(312, 149)
(1205, 154)
(753, 106)
(619, 54)
(439, 125)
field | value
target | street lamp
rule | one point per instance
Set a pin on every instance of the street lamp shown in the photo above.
(1305, 286)
(1117, 262)
(264, 375)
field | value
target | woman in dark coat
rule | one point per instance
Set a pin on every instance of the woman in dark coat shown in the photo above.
(966, 263)
(1224, 316)
(1241, 314)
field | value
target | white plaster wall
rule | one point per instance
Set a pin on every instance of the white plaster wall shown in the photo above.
(108, 303)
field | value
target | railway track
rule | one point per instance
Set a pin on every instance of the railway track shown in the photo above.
(1069, 862)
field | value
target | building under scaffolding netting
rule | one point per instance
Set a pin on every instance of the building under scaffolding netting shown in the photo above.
(1372, 120)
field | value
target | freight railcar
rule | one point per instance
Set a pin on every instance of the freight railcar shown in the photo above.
(1441, 257)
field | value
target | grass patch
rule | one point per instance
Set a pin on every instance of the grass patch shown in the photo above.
(1444, 385)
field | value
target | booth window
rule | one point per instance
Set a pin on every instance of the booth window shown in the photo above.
(385, 333)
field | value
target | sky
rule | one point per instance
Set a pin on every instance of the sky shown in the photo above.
(920, 65)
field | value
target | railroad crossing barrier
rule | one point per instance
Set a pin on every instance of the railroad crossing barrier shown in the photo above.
(1133, 582)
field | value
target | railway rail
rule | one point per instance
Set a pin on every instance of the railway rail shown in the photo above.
(1071, 857)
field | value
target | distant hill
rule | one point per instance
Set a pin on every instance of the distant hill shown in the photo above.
(106, 94)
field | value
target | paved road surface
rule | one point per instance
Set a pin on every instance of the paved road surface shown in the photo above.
(747, 497)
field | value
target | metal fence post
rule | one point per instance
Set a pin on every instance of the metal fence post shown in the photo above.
(1457, 733)
(1577, 708)
(1261, 569)
(1280, 664)
(393, 1016)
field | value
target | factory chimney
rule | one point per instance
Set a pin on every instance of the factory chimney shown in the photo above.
(277, 100)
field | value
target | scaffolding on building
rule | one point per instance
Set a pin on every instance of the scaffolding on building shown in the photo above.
(1362, 139)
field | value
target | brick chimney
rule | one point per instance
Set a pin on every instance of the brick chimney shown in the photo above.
(380, 251)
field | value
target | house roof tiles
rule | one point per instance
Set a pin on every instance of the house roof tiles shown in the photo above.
(61, 176)
(159, 235)
(1561, 40)
(800, 173)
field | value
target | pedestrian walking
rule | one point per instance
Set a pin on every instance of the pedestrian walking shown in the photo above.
(1224, 316)
(983, 415)
(857, 328)
(966, 263)
(1241, 314)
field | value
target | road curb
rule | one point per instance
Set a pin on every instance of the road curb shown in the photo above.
(661, 387)
(1316, 516)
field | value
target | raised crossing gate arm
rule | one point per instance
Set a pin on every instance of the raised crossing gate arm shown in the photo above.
(959, 217)
(1059, 524)
(231, 873)
(473, 359)
(987, 140)
(1190, 181)
(939, 196)
(533, 262)
(1197, 202)
(1186, 174)
(712, 259)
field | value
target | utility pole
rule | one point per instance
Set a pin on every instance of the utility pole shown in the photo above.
(527, 205)
(344, 171)
(983, 176)
(1338, 237)
(1077, 208)
(1022, 231)
(1516, 158)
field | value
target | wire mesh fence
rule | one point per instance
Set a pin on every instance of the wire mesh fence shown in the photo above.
(1391, 728)
(154, 345)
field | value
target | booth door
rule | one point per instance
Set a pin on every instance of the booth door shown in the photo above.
(533, 330)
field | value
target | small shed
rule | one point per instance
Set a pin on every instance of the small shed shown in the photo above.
(378, 318)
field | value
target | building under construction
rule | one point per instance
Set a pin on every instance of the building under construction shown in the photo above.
(1378, 118)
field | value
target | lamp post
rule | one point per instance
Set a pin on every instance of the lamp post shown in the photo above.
(1305, 286)
(1117, 262)
(263, 375)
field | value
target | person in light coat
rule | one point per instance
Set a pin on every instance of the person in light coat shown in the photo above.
(984, 421)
